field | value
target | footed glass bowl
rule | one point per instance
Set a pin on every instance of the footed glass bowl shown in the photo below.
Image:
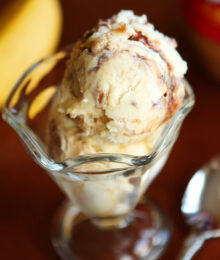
(106, 215)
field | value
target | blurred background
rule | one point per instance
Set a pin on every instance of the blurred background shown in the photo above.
(31, 29)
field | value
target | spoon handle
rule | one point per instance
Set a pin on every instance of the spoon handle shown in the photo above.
(194, 242)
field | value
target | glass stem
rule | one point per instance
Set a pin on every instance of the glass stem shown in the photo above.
(112, 222)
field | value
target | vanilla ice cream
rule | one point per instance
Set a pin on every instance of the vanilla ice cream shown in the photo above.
(124, 80)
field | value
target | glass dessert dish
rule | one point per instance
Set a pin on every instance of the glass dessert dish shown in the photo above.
(106, 215)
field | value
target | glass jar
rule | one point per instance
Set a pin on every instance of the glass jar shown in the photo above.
(203, 18)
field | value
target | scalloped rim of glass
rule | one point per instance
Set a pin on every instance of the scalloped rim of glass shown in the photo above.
(66, 167)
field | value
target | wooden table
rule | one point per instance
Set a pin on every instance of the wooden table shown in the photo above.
(29, 198)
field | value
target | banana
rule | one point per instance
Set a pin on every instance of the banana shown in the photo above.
(29, 30)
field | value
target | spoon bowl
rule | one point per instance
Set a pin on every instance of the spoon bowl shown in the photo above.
(201, 200)
(201, 207)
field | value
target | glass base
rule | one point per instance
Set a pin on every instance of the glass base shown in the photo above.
(75, 237)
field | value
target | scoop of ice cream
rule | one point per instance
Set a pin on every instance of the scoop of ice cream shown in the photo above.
(66, 139)
(123, 81)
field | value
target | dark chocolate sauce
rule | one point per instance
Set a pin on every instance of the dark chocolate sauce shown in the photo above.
(144, 39)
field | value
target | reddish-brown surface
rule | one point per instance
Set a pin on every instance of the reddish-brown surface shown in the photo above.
(208, 251)
(29, 198)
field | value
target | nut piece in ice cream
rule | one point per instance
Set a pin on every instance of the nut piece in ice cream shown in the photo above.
(123, 81)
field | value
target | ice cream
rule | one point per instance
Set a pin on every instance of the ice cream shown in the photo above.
(123, 81)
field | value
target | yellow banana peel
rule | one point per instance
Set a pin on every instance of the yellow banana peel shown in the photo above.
(29, 30)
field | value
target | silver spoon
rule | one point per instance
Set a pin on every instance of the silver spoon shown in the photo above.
(201, 208)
